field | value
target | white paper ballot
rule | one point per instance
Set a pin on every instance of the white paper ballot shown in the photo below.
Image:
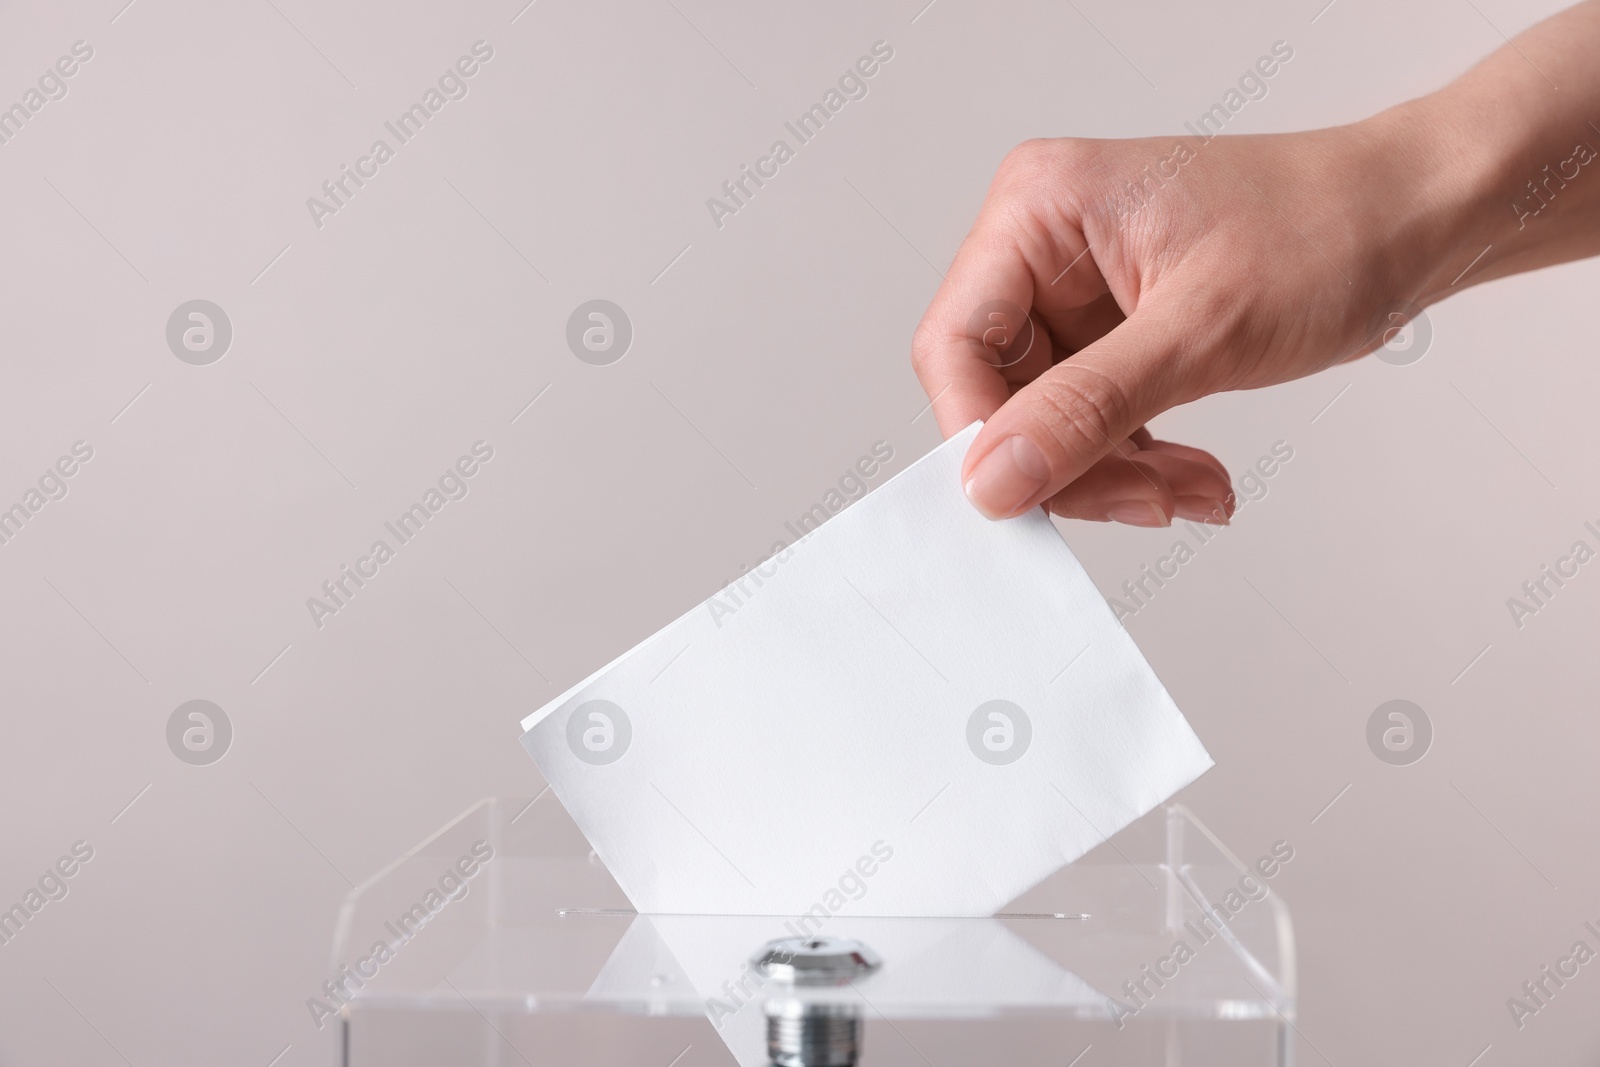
(914, 711)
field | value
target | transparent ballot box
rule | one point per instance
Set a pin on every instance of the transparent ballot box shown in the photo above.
(503, 940)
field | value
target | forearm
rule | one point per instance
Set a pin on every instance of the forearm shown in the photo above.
(1511, 153)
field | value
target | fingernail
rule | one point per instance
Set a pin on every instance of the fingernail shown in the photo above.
(1138, 513)
(1008, 477)
(1202, 509)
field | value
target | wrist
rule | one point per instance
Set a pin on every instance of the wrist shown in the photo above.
(1444, 182)
(1497, 166)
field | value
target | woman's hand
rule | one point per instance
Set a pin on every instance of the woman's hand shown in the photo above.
(1166, 269)
(1107, 281)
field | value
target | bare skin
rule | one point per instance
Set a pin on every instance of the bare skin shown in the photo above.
(1205, 284)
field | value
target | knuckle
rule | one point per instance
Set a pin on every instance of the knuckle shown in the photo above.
(1041, 184)
(1030, 163)
(1026, 152)
(924, 343)
(1053, 162)
(1085, 410)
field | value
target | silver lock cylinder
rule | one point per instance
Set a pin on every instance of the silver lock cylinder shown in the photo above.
(805, 1034)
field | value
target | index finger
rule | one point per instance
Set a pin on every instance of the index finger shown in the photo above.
(1013, 263)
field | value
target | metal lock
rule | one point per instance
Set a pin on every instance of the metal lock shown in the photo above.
(806, 1034)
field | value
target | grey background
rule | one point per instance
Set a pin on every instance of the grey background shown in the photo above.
(767, 356)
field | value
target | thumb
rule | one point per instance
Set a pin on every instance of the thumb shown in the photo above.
(1061, 423)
